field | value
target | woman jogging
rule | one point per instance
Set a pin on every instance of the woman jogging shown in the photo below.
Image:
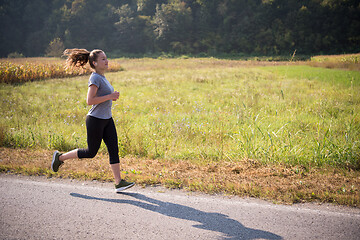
(99, 123)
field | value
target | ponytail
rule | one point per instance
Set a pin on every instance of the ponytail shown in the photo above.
(80, 57)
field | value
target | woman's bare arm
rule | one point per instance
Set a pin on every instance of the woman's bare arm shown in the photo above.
(92, 99)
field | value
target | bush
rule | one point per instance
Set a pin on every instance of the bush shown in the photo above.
(55, 48)
(15, 55)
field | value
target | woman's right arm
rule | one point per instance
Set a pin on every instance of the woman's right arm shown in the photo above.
(92, 99)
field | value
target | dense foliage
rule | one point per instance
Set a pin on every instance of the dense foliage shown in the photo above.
(265, 27)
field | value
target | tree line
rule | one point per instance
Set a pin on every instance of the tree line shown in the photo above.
(241, 27)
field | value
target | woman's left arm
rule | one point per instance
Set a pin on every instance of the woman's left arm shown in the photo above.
(92, 99)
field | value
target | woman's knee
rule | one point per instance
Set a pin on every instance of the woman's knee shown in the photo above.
(86, 153)
(92, 154)
(114, 160)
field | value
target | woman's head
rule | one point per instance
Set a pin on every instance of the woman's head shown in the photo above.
(94, 56)
(80, 57)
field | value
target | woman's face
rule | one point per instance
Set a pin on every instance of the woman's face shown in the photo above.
(101, 62)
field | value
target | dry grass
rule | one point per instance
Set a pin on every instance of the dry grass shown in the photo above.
(20, 70)
(146, 64)
(345, 61)
(245, 178)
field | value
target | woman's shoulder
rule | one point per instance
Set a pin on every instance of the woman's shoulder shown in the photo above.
(95, 79)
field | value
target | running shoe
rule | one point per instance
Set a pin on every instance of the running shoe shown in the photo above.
(123, 185)
(56, 163)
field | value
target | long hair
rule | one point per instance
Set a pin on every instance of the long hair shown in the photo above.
(80, 57)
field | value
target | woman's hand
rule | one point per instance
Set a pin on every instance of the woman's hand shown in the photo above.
(115, 95)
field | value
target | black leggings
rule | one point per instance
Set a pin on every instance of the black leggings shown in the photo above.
(98, 130)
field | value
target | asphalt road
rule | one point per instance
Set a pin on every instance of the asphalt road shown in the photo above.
(41, 208)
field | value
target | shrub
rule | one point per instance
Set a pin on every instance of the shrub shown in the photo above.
(55, 48)
(15, 55)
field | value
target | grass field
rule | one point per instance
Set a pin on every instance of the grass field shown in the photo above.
(279, 131)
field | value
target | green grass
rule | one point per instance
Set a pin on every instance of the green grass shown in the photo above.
(333, 77)
(200, 110)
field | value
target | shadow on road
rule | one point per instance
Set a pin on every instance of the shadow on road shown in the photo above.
(217, 222)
